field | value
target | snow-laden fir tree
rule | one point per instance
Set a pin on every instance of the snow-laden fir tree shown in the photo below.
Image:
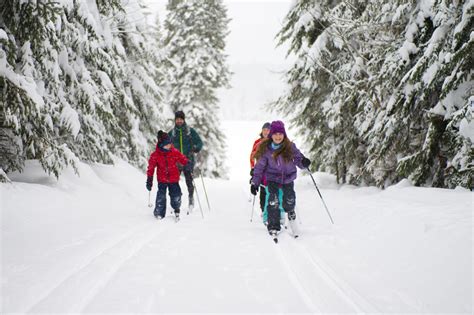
(141, 109)
(195, 33)
(114, 96)
(326, 82)
(80, 84)
(431, 70)
(381, 88)
(446, 70)
(30, 86)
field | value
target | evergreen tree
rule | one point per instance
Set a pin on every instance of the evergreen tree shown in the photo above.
(79, 84)
(196, 68)
(411, 140)
(143, 80)
(326, 82)
(29, 85)
(381, 89)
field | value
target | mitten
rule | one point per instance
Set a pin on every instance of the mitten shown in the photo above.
(149, 183)
(305, 162)
(253, 189)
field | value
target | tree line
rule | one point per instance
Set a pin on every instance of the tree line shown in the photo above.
(92, 81)
(383, 90)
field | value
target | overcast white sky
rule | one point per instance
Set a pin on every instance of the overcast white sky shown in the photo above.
(252, 56)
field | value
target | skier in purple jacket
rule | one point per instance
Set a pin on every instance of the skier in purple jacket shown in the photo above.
(277, 159)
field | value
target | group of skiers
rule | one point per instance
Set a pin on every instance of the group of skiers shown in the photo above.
(273, 162)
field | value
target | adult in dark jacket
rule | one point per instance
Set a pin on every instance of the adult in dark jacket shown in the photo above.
(165, 160)
(277, 159)
(188, 142)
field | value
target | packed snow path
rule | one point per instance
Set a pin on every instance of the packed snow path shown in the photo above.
(91, 244)
(120, 259)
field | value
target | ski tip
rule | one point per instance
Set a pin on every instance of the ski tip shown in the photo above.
(274, 235)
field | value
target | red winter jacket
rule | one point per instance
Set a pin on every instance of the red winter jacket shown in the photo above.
(254, 150)
(165, 162)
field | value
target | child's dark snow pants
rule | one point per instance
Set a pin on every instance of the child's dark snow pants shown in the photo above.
(175, 198)
(288, 201)
(263, 196)
(265, 206)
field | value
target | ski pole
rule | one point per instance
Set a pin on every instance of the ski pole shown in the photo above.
(314, 182)
(298, 216)
(253, 206)
(149, 200)
(205, 192)
(197, 196)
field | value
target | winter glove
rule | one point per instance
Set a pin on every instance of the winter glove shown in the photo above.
(253, 189)
(251, 172)
(305, 162)
(149, 183)
(188, 167)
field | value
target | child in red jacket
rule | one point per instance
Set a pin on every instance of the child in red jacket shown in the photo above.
(165, 160)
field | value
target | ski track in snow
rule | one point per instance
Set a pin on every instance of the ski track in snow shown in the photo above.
(80, 287)
(345, 292)
(150, 305)
(296, 280)
(321, 290)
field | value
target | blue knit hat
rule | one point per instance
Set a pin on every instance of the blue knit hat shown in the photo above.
(266, 125)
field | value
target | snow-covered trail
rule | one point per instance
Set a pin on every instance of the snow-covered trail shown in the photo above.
(91, 244)
(220, 264)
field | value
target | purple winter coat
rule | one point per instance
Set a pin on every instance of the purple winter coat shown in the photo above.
(278, 170)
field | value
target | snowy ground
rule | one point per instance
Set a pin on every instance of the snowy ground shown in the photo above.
(91, 244)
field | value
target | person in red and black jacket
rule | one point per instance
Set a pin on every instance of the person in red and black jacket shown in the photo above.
(263, 135)
(165, 159)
